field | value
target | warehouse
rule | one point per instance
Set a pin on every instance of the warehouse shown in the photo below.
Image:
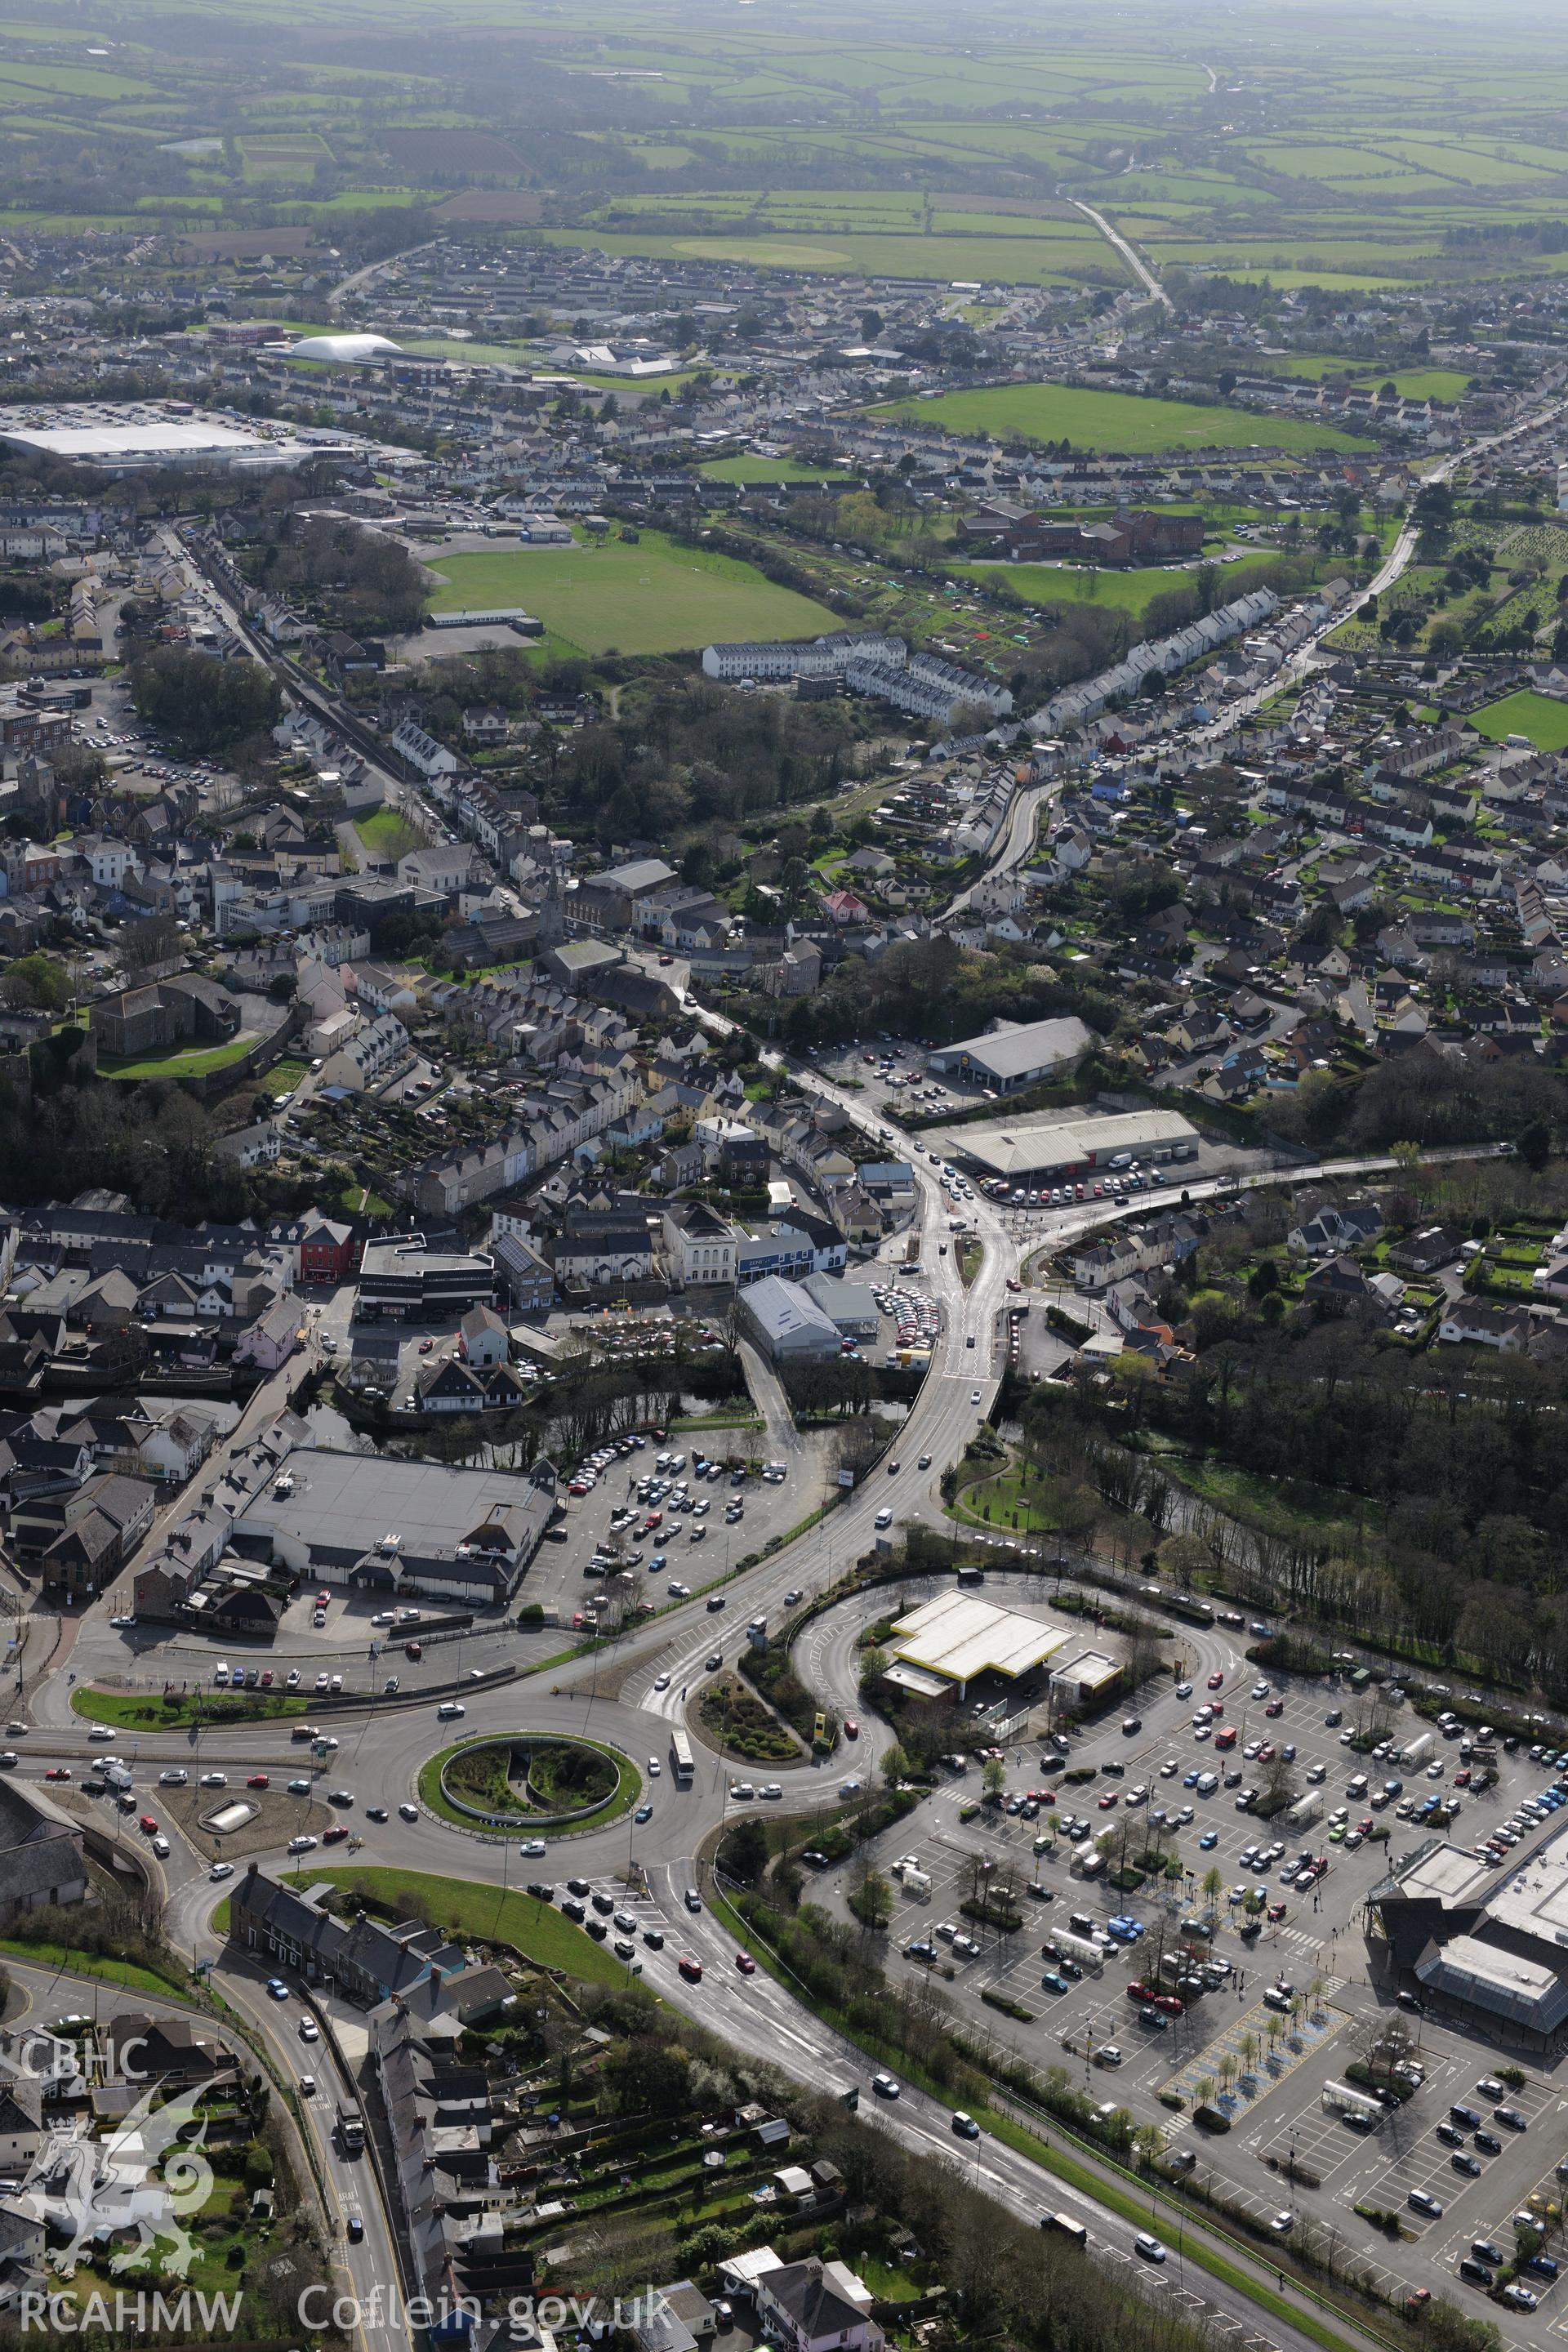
(956, 1639)
(1018, 1055)
(786, 1321)
(1031, 1151)
(131, 436)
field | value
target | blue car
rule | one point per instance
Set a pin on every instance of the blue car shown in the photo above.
(657, 1564)
(1208, 1840)
(277, 1987)
(1190, 1781)
(1125, 1928)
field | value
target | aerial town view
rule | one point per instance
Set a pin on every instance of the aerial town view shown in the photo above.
(784, 1177)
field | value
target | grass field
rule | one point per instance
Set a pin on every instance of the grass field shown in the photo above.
(653, 598)
(1535, 715)
(1127, 592)
(1114, 420)
(386, 834)
(763, 469)
(468, 1911)
(176, 1061)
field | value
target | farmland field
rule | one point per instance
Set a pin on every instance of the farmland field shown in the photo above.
(652, 598)
(1115, 420)
(903, 147)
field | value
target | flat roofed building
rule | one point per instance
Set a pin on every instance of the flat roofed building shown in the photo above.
(1475, 1975)
(1019, 1055)
(124, 438)
(1491, 1941)
(377, 1523)
(960, 1638)
(1086, 1678)
(1025, 1150)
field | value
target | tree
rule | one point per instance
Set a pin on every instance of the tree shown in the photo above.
(35, 981)
(995, 1777)
(1183, 1558)
(202, 703)
(1534, 1143)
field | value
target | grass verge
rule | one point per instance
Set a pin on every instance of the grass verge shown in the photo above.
(127, 1973)
(149, 1711)
(496, 1915)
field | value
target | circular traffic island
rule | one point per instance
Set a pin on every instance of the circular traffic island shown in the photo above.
(541, 1784)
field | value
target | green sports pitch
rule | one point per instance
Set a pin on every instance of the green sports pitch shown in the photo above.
(1115, 420)
(653, 596)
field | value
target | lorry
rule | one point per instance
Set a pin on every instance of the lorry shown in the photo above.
(351, 2126)
(1417, 1751)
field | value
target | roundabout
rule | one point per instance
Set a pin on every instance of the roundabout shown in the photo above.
(540, 1783)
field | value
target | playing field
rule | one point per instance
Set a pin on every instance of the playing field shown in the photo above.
(1115, 420)
(652, 598)
(1535, 715)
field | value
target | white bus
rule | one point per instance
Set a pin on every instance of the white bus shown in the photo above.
(680, 1758)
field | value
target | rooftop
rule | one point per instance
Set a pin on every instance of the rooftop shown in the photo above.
(344, 1503)
(959, 1637)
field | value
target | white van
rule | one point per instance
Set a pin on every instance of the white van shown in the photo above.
(884, 1518)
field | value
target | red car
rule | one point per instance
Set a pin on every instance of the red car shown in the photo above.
(1275, 1706)
(57, 1772)
(330, 1837)
(1107, 1802)
(322, 1598)
(745, 1963)
(149, 1826)
(1012, 1282)
(426, 1346)
(414, 1649)
(1215, 1679)
(1276, 1911)
(259, 1781)
(1266, 1751)
(266, 1678)
(691, 1971)
(1462, 1776)
(851, 1728)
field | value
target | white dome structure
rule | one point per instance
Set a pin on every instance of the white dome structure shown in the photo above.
(345, 351)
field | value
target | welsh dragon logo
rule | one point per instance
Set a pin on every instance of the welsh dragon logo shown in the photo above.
(144, 2177)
